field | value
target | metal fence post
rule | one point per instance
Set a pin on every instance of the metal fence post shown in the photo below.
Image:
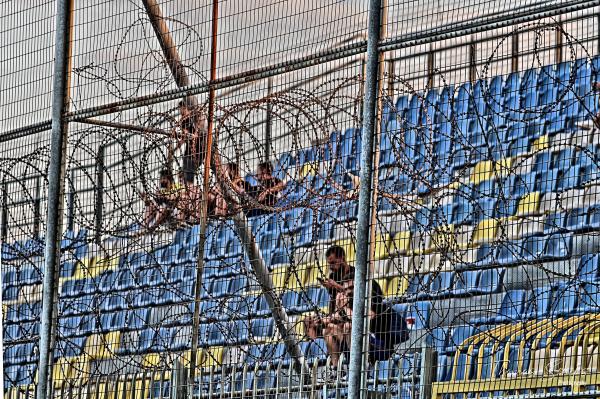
(559, 42)
(4, 216)
(56, 184)
(428, 366)
(269, 122)
(473, 60)
(37, 204)
(369, 124)
(430, 66)
(98, 212)
(515, 51)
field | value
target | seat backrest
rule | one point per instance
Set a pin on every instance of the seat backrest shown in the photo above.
(512, 304)
(538, 303)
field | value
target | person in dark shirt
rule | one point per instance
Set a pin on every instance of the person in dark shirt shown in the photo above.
(386, 328)
(193, 129)
(266, 191)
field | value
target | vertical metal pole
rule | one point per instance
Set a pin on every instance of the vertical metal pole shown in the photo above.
(206, 188)
(269, 122)
(430, 66)
(391, 69)
(364, 200)
(4, 227)
(98, 212)
(56, 182)
(472, 61)
(37, 212)
(559, 43)
(515, 51)
(71, 208)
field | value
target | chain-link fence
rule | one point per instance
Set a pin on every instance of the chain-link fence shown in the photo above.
(214, 217)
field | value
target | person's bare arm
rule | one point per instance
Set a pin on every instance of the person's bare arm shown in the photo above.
(331, 284)
(273, 190)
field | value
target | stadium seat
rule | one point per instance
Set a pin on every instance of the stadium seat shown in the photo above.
(539, 303)
(588, 269)
(417, 315)
(510, 310)
(564, 302)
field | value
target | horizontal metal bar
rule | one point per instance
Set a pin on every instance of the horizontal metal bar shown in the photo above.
(491, 39)
(124, 126)
(404, 41)
(474, 26)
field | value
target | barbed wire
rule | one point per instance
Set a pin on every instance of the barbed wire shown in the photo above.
(134, 270)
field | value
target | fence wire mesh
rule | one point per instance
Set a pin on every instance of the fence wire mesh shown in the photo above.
(212, 190)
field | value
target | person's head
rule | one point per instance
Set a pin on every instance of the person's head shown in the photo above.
(165, 179)
(265, 169)
(184, 111)
(336, 258)
(233, 170)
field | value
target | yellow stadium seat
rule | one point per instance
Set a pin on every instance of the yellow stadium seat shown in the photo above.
(213, 357)
(311, 168)
(400, 243)
(298, 275)
(529, 204)
(482, 171)
(86, 268)
(383, 283)
(503, 167)
(382, 246)
(396, 286)
(152, 360)
(109, 345)
(486, 231)
(80, 368)
(444, 238)
(61, 371)
(279, 276)
(541, 143)
(103, 264)
(319, 269)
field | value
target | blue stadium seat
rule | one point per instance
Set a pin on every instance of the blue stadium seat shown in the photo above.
(290, 301)
(558, 246)
(457, 335)
(590, 299)
(262, 327)
(137, 319)
(564, 303)
(533, 248)
(417, 315)
(555, 222)
(262, 307)
(237, 332)
(466, 283)
(416, 285)
(539, 303)
(588, 269)
(318, 296)
(510, 310)
(490, 281)
(440, 286)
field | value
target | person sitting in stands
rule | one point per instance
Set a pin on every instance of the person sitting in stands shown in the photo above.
(160, 206)
(193, 129)
(267, 189)
(386, 327)
(189, 205)
(237, 185)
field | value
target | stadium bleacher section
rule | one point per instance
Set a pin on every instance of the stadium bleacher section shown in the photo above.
(487, 243)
